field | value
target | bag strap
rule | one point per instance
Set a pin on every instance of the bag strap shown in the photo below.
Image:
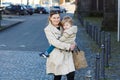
(77, 48)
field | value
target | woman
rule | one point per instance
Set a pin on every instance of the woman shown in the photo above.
(60, 61)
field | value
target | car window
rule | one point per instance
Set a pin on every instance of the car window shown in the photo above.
(8, 7)
(56, 7)
(14, 7)
(21, 8)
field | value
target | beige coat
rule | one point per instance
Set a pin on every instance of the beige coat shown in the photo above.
(69, 35)
(60, 62)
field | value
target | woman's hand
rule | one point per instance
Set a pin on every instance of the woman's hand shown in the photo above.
(72, 47)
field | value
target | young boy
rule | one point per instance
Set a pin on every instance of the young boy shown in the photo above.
(68, 35)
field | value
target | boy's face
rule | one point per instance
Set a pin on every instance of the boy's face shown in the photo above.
(66, 25)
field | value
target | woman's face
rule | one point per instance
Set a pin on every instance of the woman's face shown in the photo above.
(55, 19)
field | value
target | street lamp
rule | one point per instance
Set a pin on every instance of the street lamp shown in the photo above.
(118, 20)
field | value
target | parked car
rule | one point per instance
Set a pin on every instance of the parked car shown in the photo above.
(54, 8)
(46, 10)
(58, 9)
(30, 9)
(5, 4)
(15, 9)
(42, 10)
(63, 10)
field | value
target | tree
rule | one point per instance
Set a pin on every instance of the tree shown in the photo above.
(110, 15)
(83, 7)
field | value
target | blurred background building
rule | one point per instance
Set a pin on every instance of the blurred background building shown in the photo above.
(68, 4)
(41, 2)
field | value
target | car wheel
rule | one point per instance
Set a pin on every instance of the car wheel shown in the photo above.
(40, 12)
(31, 13)
(17, 13)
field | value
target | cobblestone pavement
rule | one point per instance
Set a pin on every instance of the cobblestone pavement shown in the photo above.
(22, 65)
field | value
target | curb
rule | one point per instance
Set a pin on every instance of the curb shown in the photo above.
(6, 26)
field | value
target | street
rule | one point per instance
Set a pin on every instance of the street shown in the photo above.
(27, 36)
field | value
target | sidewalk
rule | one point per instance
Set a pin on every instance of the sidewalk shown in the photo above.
(9, 21)
(84, 42)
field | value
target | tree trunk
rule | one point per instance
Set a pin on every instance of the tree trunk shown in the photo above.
(110, 15)
(84, 7)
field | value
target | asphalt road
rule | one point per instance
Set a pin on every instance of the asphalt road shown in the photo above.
(27, 36)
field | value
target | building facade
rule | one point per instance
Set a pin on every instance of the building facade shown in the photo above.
(49, 2)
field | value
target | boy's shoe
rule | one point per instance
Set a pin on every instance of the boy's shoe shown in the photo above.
(43, 55)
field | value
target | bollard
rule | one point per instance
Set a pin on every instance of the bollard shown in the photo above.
(99, 37)
(106, 53)
(88, 28)
(96, 35)
(97, 69)
(88, 75)
(90, 31)
(87, 23)
(94, 32)
(81, 20)
(109, 45)
(102, 62)
(103, 37)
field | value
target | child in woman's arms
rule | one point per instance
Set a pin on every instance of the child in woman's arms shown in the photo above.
(68, 35)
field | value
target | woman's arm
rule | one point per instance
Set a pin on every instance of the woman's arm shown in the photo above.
(58, 44)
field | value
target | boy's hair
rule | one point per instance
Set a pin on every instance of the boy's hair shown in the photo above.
(67, 19)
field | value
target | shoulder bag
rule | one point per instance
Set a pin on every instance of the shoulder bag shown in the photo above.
(79, 58)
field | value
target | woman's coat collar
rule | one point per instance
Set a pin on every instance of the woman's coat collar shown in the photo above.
(53, 28)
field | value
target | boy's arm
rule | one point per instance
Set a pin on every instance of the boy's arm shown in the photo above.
(64, 36)
(50, 49)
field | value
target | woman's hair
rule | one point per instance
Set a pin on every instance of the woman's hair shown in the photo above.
(51, 14)
(67, 19)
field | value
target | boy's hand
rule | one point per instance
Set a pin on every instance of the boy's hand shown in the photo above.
(72, 47)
